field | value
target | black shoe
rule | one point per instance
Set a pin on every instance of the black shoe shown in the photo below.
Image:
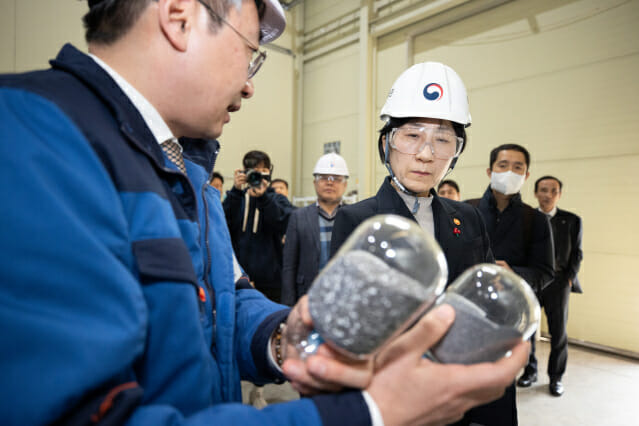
(527, 379)
(556, 388)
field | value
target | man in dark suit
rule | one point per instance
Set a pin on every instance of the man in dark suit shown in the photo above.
(567, 232)
(308, 236)
(520, 236)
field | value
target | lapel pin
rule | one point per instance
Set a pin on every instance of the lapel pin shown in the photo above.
(456, 231)
(457, 221)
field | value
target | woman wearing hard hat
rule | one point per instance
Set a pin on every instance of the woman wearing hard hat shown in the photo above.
(426, 114)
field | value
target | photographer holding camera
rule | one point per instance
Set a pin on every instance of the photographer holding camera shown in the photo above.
(257, 217)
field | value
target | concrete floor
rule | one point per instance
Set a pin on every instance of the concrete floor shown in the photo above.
(600, 389)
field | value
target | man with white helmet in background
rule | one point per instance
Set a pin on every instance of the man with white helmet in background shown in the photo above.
(425, 115)
(308, 236)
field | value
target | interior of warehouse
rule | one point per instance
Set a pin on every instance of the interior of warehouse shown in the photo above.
(558, 77)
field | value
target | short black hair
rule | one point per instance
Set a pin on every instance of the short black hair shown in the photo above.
(393, 122)
(448, 182)
(252, 159)
(109, 20)
(561, 185)
(280, 180)
(218, 176)
(509, 147)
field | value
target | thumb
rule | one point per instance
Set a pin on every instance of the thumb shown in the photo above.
(420, 337)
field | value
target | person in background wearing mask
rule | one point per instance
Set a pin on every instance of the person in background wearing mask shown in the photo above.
(449, 189)
(257, 217)
(217, 182)
(425, 119)
(280, 186)
(308, 236)
(567, 232)
(520, 236)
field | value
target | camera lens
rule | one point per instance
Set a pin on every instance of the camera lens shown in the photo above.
(254, 178)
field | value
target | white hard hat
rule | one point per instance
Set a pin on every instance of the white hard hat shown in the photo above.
(429, 90)
(273, 21)
(331, 164)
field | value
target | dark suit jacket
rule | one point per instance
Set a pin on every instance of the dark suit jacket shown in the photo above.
(301, 254)
(532, 258)
(469, 248)
(567, 232)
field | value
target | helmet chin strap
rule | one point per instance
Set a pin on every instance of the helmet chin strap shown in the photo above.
(395, 180)
(398, 183)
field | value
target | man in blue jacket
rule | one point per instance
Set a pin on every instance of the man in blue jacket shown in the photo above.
(120, 298)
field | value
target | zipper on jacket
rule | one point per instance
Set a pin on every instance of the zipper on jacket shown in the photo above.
(207, 266)
(128, 131)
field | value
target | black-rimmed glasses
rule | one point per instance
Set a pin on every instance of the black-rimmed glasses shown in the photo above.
(259, 56)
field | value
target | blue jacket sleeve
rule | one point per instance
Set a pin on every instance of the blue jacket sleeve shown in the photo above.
(68, 301)
(73, 314)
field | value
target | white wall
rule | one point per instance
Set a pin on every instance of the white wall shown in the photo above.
(33, 31)
(556, 76)
(568, 93)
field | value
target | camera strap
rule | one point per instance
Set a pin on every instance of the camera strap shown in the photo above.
(247, 206)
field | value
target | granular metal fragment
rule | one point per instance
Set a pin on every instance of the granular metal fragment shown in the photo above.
(361, 301)
(473, 338)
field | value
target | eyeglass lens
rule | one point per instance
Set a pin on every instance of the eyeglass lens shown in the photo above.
(256, 61)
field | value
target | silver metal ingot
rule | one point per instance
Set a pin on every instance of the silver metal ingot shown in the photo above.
(360, 302)
(495, 309)
(473, 338)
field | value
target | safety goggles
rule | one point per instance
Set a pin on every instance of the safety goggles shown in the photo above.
(330, 178)
(443, 142)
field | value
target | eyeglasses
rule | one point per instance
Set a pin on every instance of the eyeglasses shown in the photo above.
(444, 143)
(330, 178)
(259, 56)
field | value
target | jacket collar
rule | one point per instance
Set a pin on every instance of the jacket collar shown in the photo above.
(444, 211)
(130, 120)
(488, 199)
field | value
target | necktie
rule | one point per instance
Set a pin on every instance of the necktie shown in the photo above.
(173, 150)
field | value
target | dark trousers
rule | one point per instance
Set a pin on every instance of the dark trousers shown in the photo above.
(555, 303)
(502, 412)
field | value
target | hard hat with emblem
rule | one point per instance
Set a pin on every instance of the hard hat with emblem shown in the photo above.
(272, 21)
(430, 90)
(331, 164)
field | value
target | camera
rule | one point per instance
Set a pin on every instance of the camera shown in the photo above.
(254, 178)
